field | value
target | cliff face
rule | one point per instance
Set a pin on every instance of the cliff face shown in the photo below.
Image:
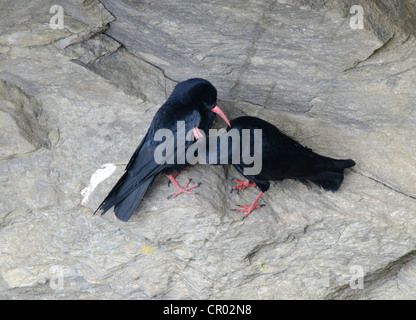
(75, 102)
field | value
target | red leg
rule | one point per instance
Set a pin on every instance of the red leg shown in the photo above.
(249, 209)
(176, 173)
(181, 189)
(241, 185)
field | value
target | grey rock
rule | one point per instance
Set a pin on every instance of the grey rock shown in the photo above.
(74, 104)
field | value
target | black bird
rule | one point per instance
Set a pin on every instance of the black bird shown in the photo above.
(281, 158)
(191, 106)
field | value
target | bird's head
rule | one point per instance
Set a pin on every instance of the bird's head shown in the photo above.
(201, 94)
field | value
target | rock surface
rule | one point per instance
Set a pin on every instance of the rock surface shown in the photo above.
(75, 102)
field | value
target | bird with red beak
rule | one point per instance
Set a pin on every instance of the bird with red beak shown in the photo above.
(194, 102)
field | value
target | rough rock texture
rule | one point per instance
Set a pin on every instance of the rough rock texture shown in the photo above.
(75, 102)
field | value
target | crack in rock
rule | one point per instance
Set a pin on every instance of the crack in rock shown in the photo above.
(373, 280)
(376, 52)
(28, 114)
(385, 185)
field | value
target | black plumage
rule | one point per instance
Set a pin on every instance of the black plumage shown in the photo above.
(282, 158)
(194, 103)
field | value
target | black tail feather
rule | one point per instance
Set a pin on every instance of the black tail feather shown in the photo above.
(343, 164)
(124, 203)
(332, 176)
(322, 163)
(111, 199)
(328, 180)
(125, 208)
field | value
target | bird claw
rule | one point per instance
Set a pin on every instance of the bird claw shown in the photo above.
(185, 189)
(175, 174)
(174, 177)
(241, 185)
(248, 209)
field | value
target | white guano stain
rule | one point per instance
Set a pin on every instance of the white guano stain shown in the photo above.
(99, 176)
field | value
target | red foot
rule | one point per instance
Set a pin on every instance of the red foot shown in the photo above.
(175, 174)
(181, 189)
(241, 185)
(249, 209)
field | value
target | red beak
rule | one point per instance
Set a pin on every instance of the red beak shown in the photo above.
(197, 133)
(218, 111)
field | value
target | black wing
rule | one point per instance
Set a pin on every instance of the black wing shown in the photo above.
(142, 168)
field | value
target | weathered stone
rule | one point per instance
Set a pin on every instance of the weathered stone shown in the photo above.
(74, 104)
